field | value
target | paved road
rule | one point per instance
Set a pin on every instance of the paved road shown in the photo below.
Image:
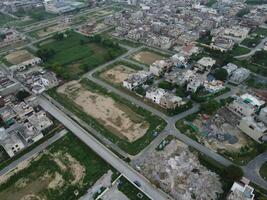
(33, 152)
(102, 151)
(254, 50)
(253, 167)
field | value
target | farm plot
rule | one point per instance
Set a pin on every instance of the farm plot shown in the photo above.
(118, 118)
(66, 166)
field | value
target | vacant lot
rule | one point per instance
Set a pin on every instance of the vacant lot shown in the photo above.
(117, 74)
(50, 30)
(66, 166)
(18, 57)
(123, 110)
(220, 133)
(76, 54)
(147, 57)
(118, 118)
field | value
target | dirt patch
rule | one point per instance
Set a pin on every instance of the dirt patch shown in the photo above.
(77, 170)
(117, 74)
(147, 57)
(118, 118)
(21, 183)
(18, 56)
(49, 30)
(57, 182)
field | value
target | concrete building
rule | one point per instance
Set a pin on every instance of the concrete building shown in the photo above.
(246, 105)
(11, 142)
(40, 121)
(159, 67)
(29, 133)
(263, 115)
(155, 94)
(204, 64)
(253, 128)
(213, 86)
(137, 79)
(61, 6)
(239, 75)
(28, 63)
(170, 101)
(241, 191)
(193, 85)
(230, 68)
(8, 85)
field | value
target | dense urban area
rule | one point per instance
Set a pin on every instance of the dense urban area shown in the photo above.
(133, 99)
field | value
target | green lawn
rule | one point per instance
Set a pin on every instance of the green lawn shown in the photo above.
(130, 190)
(36, 14)
(252, 41)
(155, 122)
(260, 31)
(256, 2)
(75, 58)
(5, 19)
(42, 171)
(263, 171)
(238, 50)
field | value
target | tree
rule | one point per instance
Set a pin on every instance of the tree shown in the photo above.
(45, 54)
(22, 94)
(233, 173)
(221, 74)
(58, 36)
(165, 85)
(210, 106)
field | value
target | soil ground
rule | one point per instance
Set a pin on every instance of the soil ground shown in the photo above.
(118, 118)
(55, 173)
(147, 57)
(18, 57)
(117, 74)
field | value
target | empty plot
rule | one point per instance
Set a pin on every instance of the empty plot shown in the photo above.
(18, 56)
(116, 117)
(117, 74)
(66, 166)
(147, 57)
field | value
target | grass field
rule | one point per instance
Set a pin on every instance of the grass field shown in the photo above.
(238, 50)
(66, 166)
(130, 190)
(155, 123)
(5, 19)
(252, 41)
(36, 14)
(75, 58)
(263, 171)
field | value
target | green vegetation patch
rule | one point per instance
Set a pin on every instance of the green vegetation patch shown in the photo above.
(70, 55)
(67, 166)
(252, 41)
(130, 190)
(36, 14)
(5, 19)
(156, 124)
(238, 50)
(263, 171)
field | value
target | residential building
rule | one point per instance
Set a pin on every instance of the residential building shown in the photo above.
(213, 86)
(230, 68)
(22, 66)
(23, 110)
(241, 191)
(253, 128)
(137, 79)
(11, 142)
(263, 115)
(194, 84)
(40, 121)
(239, 75)
(8, 85)
(170, 101)
(246, 105)
(155, 94)
(29, 133)
(159, 67)
(204, 64)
